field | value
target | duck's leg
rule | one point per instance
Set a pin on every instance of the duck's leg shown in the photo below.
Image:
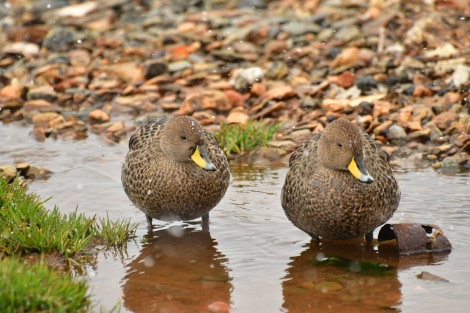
(205, 222)
(315, 238)
(369, 237)
(149, 222)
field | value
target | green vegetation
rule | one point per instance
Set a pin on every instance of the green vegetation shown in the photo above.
(363, 268)
(26, 227)
(37, 288)
(240, 139)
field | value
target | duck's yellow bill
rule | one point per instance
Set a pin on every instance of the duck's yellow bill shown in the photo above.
(358, 170)
(200, 158)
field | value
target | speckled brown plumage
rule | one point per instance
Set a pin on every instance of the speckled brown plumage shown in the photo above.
(322, 198)
(160, 177)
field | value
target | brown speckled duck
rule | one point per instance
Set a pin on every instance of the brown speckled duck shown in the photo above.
(175, 170)
(339, 184)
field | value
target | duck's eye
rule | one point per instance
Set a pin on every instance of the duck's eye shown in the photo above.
(340, 145)
(183, 137)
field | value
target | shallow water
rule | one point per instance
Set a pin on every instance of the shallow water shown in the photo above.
(253, 258)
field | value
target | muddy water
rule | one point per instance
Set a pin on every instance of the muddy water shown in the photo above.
(252, 258)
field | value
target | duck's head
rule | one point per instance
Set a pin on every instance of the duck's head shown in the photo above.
(182, 140)
(341, 147)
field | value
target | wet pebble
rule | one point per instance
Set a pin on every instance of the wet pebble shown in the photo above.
(396, 134)
(44, 92)
(243, 78)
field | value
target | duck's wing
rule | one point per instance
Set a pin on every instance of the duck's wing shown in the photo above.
(304, 149)
(147, 133)
(373, 150)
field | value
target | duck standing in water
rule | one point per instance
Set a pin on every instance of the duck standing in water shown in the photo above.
(339, 184)
(175, 170)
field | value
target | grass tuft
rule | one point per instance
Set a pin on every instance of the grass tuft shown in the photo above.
(27, 227)
(114, 233)
(38, 288)
(240, 139)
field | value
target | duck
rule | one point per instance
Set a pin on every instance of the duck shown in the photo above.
(339, 184)
(175, 170)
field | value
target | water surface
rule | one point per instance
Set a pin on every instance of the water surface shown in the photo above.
(252, 258)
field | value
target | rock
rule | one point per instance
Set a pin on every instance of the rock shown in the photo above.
(431, 277)
(266, 153)
(235, 98)
(37, 105)
(178, 66)
(346, 59)
(279, 92)
(345, 79)
(44, 92)
(300, 28)
(43, 119)
(258, 89)
(366, 83)
(382, 128)
(275, 47)
(243, 79)
(449, 164)
(61, 39)
(38, 133)
(77, 10)
(126, 71)
(300, 135)
(10, 92)
(207, 100)
(8, 172)
(36, 172)
(285, 144)
(328, 286)
(116, 127)
(365, 108)
(98, 116)
(396, 134)
(277, 71)
(445, 119)
(79, 57)
(335, 105)
(26, 49)
(154, 68)
(237, 116)
(441, 149)
(422, 91)
(422, 136)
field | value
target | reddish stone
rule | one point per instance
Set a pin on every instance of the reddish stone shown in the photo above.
(348, 57)
(279, 92)
(445, 119)
(237, 116)
(422, 91)
(207, 100)
(258, 89)
(346, 79)
(235, 98)
(180, 51)
(10, 92)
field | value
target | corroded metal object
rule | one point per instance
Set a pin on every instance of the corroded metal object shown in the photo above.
(413, 238)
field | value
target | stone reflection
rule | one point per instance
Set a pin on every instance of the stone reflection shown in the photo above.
(178, 270)
(312, 288)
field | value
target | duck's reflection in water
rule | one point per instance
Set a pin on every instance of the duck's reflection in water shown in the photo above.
(362, 286)
(178, 270)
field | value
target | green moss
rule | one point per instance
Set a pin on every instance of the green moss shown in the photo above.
(240, 139)
(363, 268)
